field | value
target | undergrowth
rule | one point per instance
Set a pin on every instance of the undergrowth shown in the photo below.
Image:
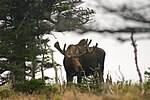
(84, 91)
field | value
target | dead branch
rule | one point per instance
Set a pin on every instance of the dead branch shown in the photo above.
(121, 74)
(133, 43)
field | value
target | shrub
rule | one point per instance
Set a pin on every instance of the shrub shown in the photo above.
(4, 93)
(93, 87)
(50, 89)
(33, 85)
(147, 85)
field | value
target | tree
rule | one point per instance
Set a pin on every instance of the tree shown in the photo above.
(147, 74)
(22, 23)
(129, 12)
(40, 62)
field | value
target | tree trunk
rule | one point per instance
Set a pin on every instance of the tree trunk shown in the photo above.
(56, 75)
(136, 63)
(42, 70)
(18, 77)
(33, 69)
(55, 68)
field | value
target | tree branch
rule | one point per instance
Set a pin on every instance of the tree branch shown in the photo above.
(133, 42)
(123, 30)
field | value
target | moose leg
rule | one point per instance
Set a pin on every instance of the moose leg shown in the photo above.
(69, 78)
(101, 78)
(79, 77)
(100, 72)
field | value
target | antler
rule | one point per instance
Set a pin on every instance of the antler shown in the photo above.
(89, 42)
(87, 46)
(93, 48)
(57, 46)
(87, 50)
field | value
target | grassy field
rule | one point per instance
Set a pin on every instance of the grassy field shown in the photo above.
(73, 92)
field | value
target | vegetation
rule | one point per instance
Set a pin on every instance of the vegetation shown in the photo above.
(36, 89)
(115, 91)
(23, 25)
(24, 51)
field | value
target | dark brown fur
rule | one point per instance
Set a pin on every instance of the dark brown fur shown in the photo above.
(74, 64)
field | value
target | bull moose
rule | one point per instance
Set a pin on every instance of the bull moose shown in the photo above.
(81, 57)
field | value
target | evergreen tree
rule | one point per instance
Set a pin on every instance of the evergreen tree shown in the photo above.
(147, 74)
(23, 23)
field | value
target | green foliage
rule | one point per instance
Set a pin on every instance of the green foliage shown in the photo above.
(147, 86)
(147, 82)
(92, 88)
(38, 86)
(33, 85)
(73, 91)
(5, 93)
(23, 24)
(50, 89)
(127, 84)
(147, 74)
(63, 6)
(87, 86)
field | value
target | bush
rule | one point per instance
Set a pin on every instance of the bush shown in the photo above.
(93, 87)
(4, 93)
(50, 89)
(34, 85)
(147, 85)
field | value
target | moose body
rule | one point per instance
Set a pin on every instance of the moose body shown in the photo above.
(89, 62)
(77, 58)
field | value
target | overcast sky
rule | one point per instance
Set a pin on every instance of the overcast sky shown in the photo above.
(117, 54)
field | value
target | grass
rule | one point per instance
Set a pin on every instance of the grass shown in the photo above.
(109, 92)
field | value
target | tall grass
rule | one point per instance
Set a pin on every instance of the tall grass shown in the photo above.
(74, 92)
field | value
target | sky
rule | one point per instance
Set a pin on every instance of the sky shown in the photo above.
(117, 54)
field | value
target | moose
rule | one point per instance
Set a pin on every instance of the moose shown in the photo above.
(81, 57)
